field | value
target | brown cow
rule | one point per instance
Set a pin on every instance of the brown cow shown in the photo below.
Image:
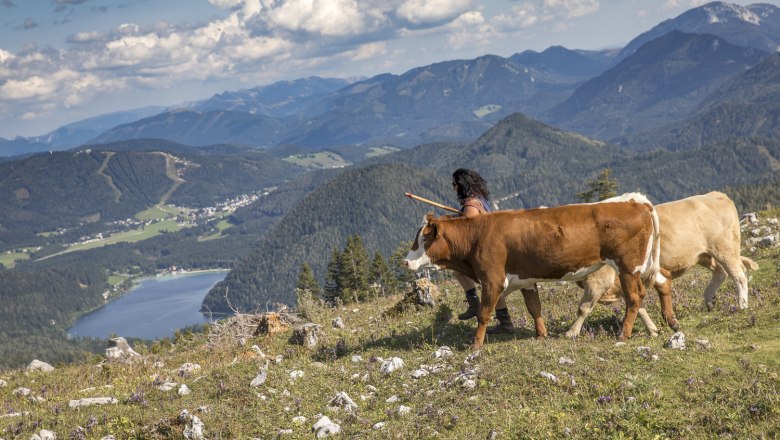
(564, 243)
(703, 230)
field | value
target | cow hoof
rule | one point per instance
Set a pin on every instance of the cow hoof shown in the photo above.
(653, 334)
(710, 306)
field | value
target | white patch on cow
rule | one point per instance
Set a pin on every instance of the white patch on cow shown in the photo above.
(416, 259)
(659, 278)
(513, 282)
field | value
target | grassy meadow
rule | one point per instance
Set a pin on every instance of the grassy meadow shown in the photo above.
(591, 388)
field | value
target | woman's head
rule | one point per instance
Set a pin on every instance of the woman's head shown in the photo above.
(468, 183)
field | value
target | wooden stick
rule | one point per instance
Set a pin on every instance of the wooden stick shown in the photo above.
(431, 202)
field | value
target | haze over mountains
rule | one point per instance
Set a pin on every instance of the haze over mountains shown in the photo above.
(687, 107)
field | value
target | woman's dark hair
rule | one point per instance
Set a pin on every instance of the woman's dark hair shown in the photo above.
(469, 183)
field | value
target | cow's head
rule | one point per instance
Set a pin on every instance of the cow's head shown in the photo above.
(426, 235)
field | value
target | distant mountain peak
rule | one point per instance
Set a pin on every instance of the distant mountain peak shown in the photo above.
(721, 12)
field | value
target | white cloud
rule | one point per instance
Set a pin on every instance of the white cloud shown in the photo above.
(324, 17)
(431, 11)
(522, 16)
(470, 28)
(571, 8)
(87, 37)
(226, 4)
(6, 56)
(367, 51)
(32, 87)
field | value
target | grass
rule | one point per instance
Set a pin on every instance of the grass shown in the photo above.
(115, 280)
(130, 236)
(9, 260)
(731, 390)
(381, 151)
(486, 110)
(323, 159)
(220, 226)
(158, 212)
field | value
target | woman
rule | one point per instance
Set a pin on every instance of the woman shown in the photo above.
(473, 196)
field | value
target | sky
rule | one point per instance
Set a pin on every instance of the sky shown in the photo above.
(66, 60)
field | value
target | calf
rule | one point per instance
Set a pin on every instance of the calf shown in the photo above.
(703, 230)
(511, 249)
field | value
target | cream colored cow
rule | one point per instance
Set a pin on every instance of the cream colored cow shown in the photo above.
(703, 230)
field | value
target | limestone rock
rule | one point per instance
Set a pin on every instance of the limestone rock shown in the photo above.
(549, 376)
(184, 390)
(676, 342)
(337, 322)
(325, 427)
(194, 428)
(167, 386)
(37, 365)
(89, 401)
(188, 368)
(306, 335)
(118, 348)
(391, 365)
(343, 402)
(260, 378)
(443, 352)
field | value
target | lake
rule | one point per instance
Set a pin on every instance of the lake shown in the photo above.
(155, 308)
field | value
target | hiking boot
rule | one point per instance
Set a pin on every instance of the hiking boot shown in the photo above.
(504, 325)
(471, 312)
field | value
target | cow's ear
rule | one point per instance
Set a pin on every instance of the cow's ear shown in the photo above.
(429, 217)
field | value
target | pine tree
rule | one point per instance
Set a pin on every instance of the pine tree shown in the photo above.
(400, 272)
(332, 289)
(381, 274)
(354, 267)
(601, 188)
(307, 284)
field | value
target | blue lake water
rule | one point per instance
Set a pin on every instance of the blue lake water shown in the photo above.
(155, 308)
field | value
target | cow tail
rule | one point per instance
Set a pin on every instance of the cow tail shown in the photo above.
(655, 265)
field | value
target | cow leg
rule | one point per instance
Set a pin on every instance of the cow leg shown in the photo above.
(534, 306)
(634, 293)
(718, 276)
(663, 285)
(651, 328)
(491, 292)
(596, 285)
(736, 271)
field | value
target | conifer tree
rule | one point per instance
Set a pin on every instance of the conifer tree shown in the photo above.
(307, 283)
(381, 274)
(332, 289)
(354, 266)
(401, 273)
(601, 188)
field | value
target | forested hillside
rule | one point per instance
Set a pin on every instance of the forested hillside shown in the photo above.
(36, 307)
(527, 164)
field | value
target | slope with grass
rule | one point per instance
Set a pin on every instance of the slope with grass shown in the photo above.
(592, 388)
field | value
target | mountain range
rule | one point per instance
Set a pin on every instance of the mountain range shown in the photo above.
(660, 77)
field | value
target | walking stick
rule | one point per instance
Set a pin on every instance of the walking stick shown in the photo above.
(431, 202)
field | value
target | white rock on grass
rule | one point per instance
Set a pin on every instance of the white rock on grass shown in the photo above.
(3, 383)
(194, 428)
(443, 352)
(676, 342)
(188, 368)
(299, 420)
(324, 427)
(37, 365)
(296, 374)
(89, 401)
(703, 344)
(158, 365)
(392, 399)
(549, 376)
(343, 402)
(416, 374)
(184, 390)
(258, 352)
(260, 378)
(21, 392)
(378, 425)
(391, 365)
(337, 322)
(403, 410)
(563, 360)
(167, 386)
(282, 432)
(356, 358)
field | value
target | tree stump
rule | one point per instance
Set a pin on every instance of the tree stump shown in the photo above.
(423, 294)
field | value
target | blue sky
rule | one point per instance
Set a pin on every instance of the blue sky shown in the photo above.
(67, 60)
